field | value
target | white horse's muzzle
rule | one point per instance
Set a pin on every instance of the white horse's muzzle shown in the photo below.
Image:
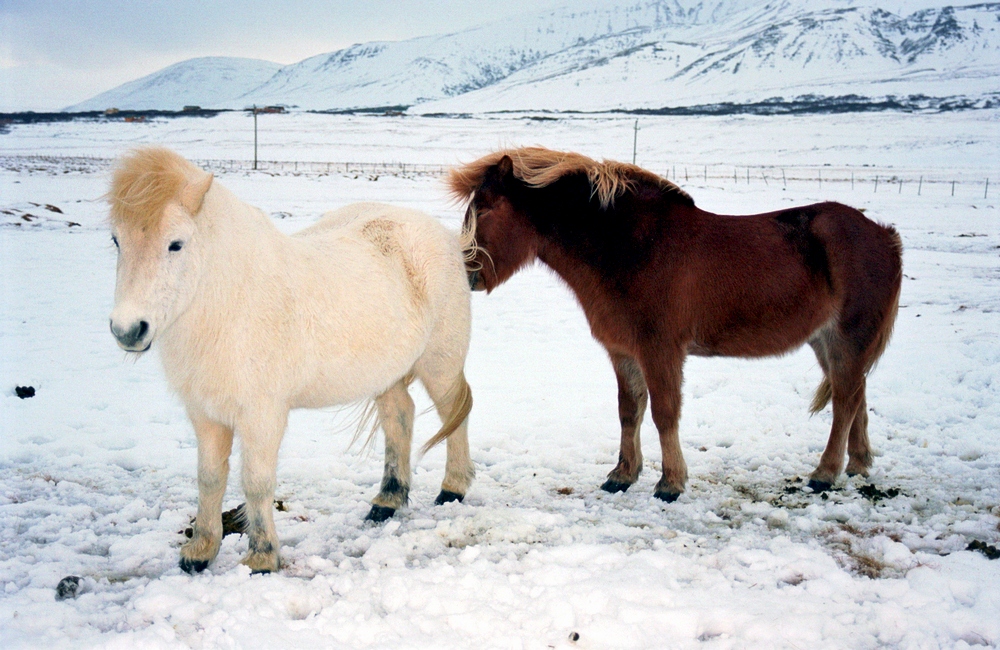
(134, 338)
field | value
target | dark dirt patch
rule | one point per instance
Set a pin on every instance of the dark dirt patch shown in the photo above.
(233, 520)
(875, 495)
(991, 552)
(68, 587)
(24, 392)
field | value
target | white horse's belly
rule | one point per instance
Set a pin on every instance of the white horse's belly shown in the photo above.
(358, 367)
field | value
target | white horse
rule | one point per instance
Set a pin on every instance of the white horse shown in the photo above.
(251, 323)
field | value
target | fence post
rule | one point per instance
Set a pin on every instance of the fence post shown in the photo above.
(748, 175)
(987, 190)
(706, 173)
(953, 188)
(784, 182)
(735, 180)
(762, 175)
(876, 184)
(852, 181)
(819, 173)
(900, 186)
(635, 139)
(920, 185)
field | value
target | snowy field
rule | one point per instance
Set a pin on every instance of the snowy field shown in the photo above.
(97, 470)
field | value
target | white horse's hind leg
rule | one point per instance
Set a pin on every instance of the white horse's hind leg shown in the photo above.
(448, 392)
(260, 437)
(395, 413)
(215, 443)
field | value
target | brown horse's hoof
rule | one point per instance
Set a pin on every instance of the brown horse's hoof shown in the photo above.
(819, 486)
(378, 514)
(193, 566)
(615, 486)
(669, 497)
(447, 497)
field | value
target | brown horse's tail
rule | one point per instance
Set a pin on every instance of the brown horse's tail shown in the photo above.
(461, 406)
(825, 391)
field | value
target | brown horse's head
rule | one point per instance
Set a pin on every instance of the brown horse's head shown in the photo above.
(500, 235)
(501, 190)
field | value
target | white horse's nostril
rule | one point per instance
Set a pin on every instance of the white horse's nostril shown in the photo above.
(132, 337)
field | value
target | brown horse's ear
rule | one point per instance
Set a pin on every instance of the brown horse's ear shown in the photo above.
(194, 193)
(505, 167)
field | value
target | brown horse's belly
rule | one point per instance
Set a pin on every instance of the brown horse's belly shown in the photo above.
(762, 335)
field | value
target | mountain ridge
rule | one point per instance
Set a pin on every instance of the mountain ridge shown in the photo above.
(651, 54)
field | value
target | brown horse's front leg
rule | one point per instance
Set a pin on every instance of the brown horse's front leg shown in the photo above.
(664, 373)
(632, 399)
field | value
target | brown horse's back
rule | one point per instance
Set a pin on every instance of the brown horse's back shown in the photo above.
(759, 285)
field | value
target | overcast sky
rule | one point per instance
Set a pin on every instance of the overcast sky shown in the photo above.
(57, 53)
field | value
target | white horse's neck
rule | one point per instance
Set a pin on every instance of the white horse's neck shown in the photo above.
(235, 235)
(240, 249)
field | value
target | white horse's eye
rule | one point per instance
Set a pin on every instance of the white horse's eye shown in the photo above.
(115, 240)
(175, 246)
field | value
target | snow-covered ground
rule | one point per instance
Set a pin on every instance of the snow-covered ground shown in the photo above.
(97, 470)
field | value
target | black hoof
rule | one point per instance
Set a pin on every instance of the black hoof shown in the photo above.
(193, 566)
(378, 514)
(819, 486)
(669, 497)
(260, 572)
(615, 486)
(447, 497)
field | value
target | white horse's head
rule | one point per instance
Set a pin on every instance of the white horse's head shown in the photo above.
(155, 199)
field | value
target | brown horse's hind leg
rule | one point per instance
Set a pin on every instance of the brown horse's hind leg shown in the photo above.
(663, 372)
(632, 399)
(395, 414)
(859, 453)
(847, 383)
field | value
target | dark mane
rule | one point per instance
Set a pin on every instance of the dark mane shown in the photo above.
(540, 167)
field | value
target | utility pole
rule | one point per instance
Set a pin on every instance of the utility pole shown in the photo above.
(255, 137)
(635, 139)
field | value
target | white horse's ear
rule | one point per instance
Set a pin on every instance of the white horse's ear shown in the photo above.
(193, 195)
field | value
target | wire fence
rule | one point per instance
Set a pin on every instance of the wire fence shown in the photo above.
(877, 180)
(861, 179)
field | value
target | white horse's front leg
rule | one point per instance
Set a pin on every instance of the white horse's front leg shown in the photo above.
(215, 443)
(260, 437)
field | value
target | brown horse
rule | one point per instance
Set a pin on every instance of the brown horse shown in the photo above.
(659, 279)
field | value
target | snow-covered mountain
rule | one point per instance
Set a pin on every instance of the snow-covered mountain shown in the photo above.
(210, 82)
(648, 54)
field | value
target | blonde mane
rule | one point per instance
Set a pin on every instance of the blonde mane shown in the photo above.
(144, 181)
(540, 167)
